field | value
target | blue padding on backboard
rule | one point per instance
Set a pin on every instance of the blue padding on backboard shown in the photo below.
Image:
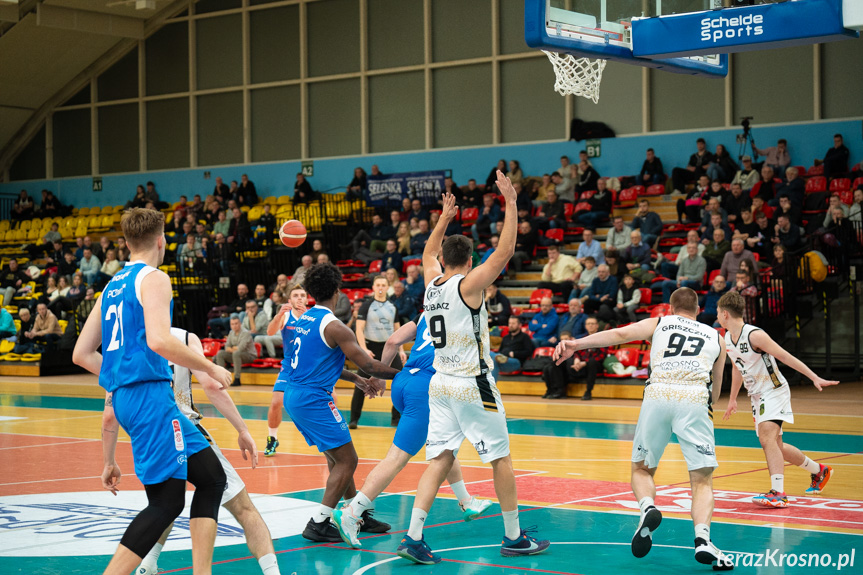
(739, 29)
(535, 36)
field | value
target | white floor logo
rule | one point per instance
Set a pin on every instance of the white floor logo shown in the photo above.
(92, 523)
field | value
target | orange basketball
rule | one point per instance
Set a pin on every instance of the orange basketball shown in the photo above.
(292, 233)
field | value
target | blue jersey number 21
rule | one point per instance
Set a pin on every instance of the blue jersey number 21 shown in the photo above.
(117, 312)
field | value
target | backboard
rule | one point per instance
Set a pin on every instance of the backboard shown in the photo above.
(601, 29)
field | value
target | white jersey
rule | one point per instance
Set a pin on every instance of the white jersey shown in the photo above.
(760, 371)
(459, 333)
(682, 355)
(182, 382)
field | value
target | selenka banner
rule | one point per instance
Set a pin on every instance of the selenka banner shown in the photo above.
(393, 188)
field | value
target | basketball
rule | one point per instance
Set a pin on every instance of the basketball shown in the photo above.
(292, 233)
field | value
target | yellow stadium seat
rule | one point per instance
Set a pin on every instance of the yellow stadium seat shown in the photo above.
(63, 323)
(116, 217)
(5, 225)
(34, 235)
(21, 235)
(95, 221)
(25, 225)
(118, 209)
(69, 222)
(270, 200)
(107, 210)
(284, 200)
(84, 212)
(255, 213)
(34, 223)
(245, 209)
(169, 217)
(108, 220)
(9, 237)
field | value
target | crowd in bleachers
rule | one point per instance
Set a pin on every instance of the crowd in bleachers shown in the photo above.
(737, 228)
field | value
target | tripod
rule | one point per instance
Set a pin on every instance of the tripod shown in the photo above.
(746, 139)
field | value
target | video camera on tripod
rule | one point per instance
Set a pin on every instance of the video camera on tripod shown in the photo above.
(745, 139)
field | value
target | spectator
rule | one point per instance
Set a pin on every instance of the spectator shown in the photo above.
(637, 255)
(357, 186)
(777, 157)
(376, 173)
(793, 212)
(564, 169)
(246, 194)
(718, 193)
(264, 302)
(744, 286)
(418, 242)
(25, 341)
(651, 170)
(766, 187)
(493, 243)
(46, 328)
(590, 247)
(600, 206)
(377, 320)
(717, 289)
(300, 273)
(602, 294)
(733, 259)
(392, 279)
(50, 206)
(572, 322)
(836, 159)
(694, 200)
(781, 268)
(835, 204)
(588, 274)
(628, 299)
(255, 319)
(649, 223)
(586, 364)
(515, 348)
(196, 208)
(839, 225)
(239, 349)
(138, 200)
(762, 240)
(122, 250)
(735, 203)
(414, 283)
(403, 239)
(90, 266)
(544, 324)
(618, 235)
(542, 191)
(406, 306)
(109, 268)
(787, 234)
(696, 167)
(417, 211)
(55, 255)
(747, 176)
(220, 254)
(561, 271)
(68, 266)
(564, 186)
(723, 167)
(489, 215)
(218, 325)
(86, 306)
(222, 191)
(525, 246)
(472, 194)
(794, 188)
(23, 208)
(587, 178)
(615, 268)
(240, 231)
(283, 287)
(715, 224)
(11, 280)
(303, 193)
(758, 205)
(392, 259)
(514, 174)
(51, 236)
(856, 210)
(715, 251)
(550, 214)
(713, 207)
(497, 305)
(690, 273)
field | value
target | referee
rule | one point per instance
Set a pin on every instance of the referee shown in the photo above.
(376, 322)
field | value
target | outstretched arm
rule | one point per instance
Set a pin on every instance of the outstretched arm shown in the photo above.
(217, 393)
(764, 343)
(337, 333)
(401, 336)
(642, 330)
(431, 265)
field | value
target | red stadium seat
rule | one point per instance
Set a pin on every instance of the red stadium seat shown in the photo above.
(815, 170)
(407, 263)
(582, 207)
(212, 346)
(258, 349)
(816, 184)
(516, 310)
(627, 357)
(646, 296)
(655, 190)
(840, 184)
(537, 295)
(628, 197)
(846, 197)
(375, 267)
(857, 183)
(568, 210)
(469, 215)
(586, 195)
(555, 234)
(801, 171)
(661, 310)
(639, 190)
(539, 352)
(712, 276)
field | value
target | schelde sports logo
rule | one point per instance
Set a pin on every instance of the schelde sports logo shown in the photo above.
(714, 29)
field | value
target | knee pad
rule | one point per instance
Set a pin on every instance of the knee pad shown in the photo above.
(165, 503)
(206, 473)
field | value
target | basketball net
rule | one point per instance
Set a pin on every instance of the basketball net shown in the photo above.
(577, 76)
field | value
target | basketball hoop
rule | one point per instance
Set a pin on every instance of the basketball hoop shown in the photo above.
(577, 76)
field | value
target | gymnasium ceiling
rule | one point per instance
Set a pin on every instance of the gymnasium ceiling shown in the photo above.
(46, 45)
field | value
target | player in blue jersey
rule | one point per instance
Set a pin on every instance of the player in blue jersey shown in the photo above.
(317, 361)
(285, 321)
(410, 393)
(167, 448)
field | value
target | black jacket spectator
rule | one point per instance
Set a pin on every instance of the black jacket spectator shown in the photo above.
(653, 170)
(406, 306)
(247, 194)
(600, 202)
(499, 309)
(795, 189)
(586, 181)
(303, 193)
(392, 260)
(526, 242)
(836, 158)
(418, 242)
(519, 343)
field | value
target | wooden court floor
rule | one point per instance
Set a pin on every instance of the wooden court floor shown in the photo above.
(572, 467)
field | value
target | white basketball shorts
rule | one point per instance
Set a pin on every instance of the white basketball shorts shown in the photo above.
(466, 407)
(234, 484)
(772, 405)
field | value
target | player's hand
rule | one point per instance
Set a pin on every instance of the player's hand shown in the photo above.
(564, 351)
(286, 307)
(819, 383)
(403, 356)
(449, 208)
(506, 188)
(731, 409)
(111, 478)
(378, 384)
(370, 353)
(247, 445)
(220, 374)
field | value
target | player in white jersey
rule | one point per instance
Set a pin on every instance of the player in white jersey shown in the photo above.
(754, 355)
(687, 359)
(235, 498)
(463, 399)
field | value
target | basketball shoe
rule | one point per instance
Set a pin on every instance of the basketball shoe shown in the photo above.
(771, 499)
(642, 541)
(474, 508)
(348, 525)
(323, 532)
(272, 444)
(819, 480)
(524, 544)
(417, 551)
(707, 553)
(372, 525)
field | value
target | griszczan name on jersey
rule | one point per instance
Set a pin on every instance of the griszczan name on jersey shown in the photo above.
(721, 27)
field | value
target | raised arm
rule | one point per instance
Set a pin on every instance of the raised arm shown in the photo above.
(484, 274)
(217, 393)
(642, 330)
(156, 292)
(404, 334)
(337, 333)
(86, 352)
(718, 369)
(431, 265)
(764, 343)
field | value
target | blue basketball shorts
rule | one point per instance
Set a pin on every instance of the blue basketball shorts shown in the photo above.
(410, 395)
(316, 416)
(281, 382)
(162, 438)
